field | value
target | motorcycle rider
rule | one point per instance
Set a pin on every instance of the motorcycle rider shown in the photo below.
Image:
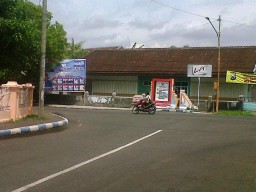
(146, 100)
(145, 105)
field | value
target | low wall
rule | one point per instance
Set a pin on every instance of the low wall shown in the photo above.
(16, 101)
(126, 102)
(249, 106)
(89, 100)
(107, 101)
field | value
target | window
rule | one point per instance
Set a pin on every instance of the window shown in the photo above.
(147, 83)
(180, 86)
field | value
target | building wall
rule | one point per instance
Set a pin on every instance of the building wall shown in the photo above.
(228, 91)
(253, 88)
(123, 86)
(144, 84)
(205, 90)
(143, 87)
(131, 85)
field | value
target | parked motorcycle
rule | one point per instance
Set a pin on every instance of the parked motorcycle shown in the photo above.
(150, 108)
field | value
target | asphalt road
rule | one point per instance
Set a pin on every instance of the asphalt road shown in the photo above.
(113, 151)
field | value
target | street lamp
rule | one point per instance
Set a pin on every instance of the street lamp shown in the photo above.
(218, 80)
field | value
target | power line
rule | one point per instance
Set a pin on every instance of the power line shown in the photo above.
(199, 15)
(177, 9)
(239, 23)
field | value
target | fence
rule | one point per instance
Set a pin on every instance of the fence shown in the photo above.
(16, 101)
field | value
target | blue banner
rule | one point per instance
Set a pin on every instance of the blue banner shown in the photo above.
(69, 76)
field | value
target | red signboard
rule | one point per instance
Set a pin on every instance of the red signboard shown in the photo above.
(161, 91)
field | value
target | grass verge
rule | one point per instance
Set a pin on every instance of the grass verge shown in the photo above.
(30, 117)
(235, 113)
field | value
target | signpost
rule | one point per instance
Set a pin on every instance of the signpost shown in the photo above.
(199, 70)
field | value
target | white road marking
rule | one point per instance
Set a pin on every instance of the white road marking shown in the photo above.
(82, 164)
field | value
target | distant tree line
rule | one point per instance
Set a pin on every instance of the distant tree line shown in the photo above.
(20, 42)
(174, 47)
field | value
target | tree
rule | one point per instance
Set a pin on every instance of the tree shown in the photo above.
(173, 47)
(15, 44)
(20, 41)
(56, 45)
(75, 51)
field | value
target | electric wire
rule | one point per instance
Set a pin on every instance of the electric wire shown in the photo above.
(187, 12)
(177, 9)
(200, 15)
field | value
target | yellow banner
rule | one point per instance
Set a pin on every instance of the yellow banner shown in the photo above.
(237, 77)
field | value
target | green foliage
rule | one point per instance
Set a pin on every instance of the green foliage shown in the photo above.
(173, 47)
(235, 113)
(34, 117)
(75, 51)
(56, 44)
(6, 7)
(31, 118)
(20, 40)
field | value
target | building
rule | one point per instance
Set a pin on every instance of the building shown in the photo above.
(130, 71)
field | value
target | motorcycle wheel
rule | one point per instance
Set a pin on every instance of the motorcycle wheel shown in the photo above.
(135, 110)
(152, 110)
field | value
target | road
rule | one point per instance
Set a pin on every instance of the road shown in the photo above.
(113, 151)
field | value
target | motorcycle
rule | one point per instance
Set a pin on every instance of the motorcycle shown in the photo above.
(150, 108)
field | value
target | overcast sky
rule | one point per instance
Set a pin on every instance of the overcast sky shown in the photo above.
(155, 23)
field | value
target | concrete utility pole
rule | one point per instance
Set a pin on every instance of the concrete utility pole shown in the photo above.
(218, 80)
(42, 63)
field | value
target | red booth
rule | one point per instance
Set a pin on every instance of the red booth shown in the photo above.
(161, 92)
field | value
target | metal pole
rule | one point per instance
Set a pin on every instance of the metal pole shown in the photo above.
(198, 92)
(42, 63)
(218, 86)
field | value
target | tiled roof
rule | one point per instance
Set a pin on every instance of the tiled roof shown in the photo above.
(169, 60)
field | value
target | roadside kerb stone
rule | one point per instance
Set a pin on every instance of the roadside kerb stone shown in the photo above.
(32, 128)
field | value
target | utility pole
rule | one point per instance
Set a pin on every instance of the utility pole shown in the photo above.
(42, 63)
(218, 80)
(218, 88)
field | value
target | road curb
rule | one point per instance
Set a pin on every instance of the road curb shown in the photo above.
(39, 127)
(89, 107)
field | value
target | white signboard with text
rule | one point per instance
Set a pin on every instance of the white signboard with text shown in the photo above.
(199, 70)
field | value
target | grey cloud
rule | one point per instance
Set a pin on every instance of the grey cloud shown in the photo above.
(119, 22)
(146, 24)
(100, 23)
(106, 40)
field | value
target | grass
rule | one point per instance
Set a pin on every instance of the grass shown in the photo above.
(235, 113)
(35, 117)
(30, 117)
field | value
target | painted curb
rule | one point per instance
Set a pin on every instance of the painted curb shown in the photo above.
(32, 128)
(184, 111)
